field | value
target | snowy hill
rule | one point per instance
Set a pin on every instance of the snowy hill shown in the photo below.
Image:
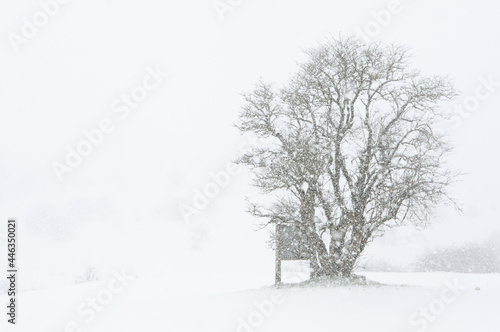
(402, 302)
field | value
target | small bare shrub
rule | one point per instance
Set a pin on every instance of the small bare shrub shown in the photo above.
(88, 275)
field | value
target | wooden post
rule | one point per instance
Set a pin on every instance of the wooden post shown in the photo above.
(313, 264)
(277, 269)
(311, 269)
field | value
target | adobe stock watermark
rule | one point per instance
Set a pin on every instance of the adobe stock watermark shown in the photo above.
(221, 7)
(88, 310)
(219, 181)
(425, 316)
(379, 20)
(95, 136)
(264, 309)
(483, 91)
(32, 26)
(202, 197)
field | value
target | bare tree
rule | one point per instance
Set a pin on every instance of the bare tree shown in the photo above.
(352, 148)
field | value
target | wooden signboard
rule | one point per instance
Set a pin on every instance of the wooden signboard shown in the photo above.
(291, 245)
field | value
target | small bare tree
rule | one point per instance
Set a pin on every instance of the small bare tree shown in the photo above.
(89, 274)
(352, 148)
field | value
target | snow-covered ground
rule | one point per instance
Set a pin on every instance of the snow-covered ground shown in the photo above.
(401, 302)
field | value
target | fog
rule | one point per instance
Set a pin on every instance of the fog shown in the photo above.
(122, 205)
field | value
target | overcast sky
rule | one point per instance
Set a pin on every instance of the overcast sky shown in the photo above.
(67, 75)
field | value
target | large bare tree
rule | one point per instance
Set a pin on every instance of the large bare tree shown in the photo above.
(352, 148)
